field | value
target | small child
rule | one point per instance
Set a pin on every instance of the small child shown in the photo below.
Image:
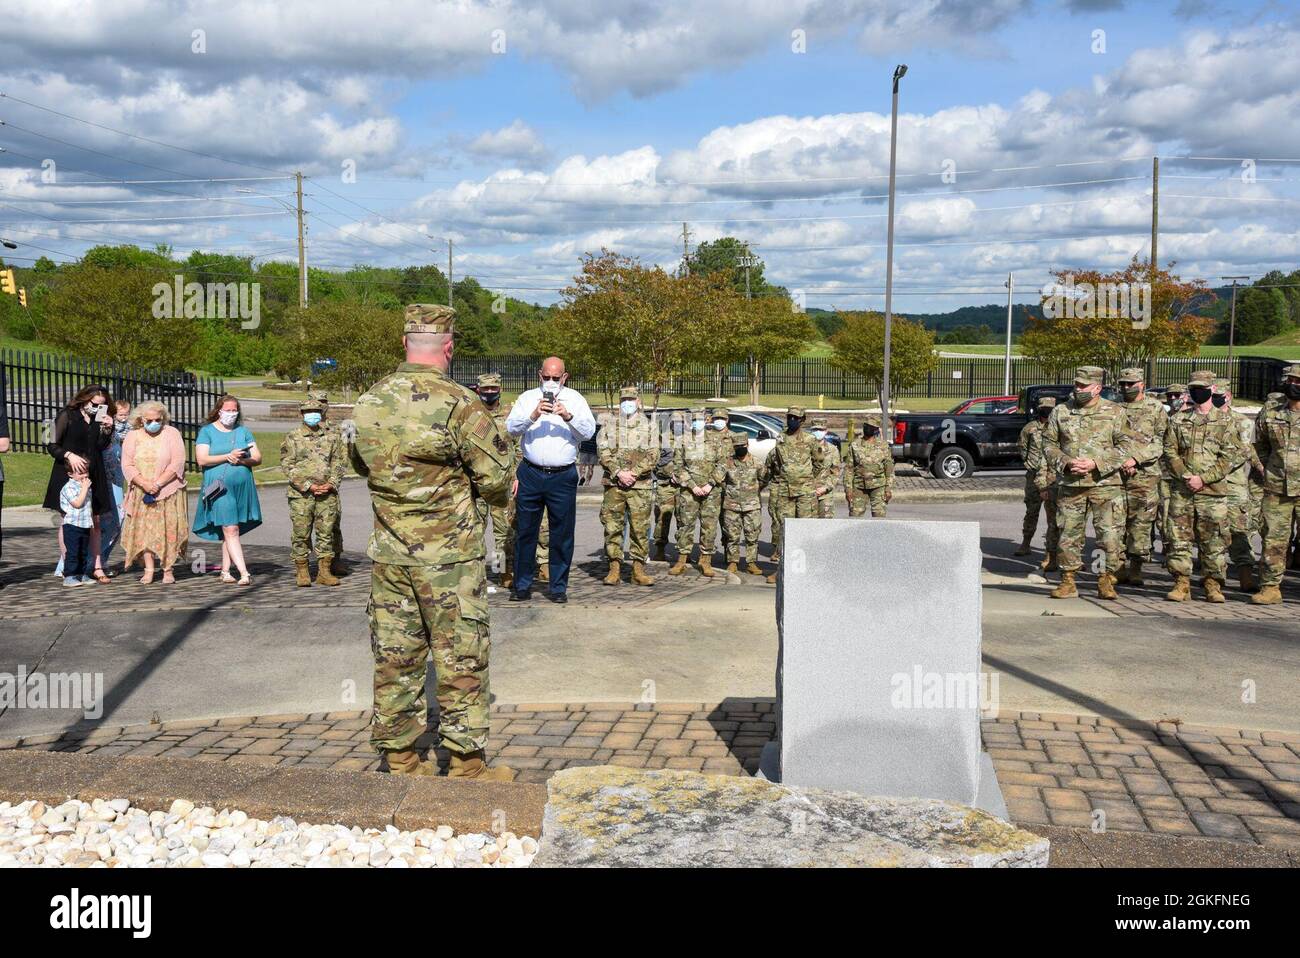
(74, 500)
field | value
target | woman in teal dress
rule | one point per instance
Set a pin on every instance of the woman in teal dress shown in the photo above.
(227, 452)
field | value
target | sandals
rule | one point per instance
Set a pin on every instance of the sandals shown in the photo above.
(100, 577)
(245, 579)
(227, 578)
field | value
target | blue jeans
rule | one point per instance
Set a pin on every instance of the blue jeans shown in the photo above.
(557, 493)
(78, 562)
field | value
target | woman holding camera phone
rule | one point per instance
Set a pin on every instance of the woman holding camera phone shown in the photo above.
(228, 505)
(157, 514)
(82, 430)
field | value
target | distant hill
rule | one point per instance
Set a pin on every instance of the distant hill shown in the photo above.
(993, 316)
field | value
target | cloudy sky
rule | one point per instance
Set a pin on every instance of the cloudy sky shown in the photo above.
(530, 133)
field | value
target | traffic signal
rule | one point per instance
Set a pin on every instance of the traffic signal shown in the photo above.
(7, 284)
(22, 297)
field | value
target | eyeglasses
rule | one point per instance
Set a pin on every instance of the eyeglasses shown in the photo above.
(552, 379)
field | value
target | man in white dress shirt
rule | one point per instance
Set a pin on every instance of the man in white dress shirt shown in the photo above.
(552, 421)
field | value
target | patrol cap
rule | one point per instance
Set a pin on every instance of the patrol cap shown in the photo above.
(1202, 377)
(429, 318)
(1292, 370)
(489, 381)
(1274, 397)
(629, 392)
(873, 419)
(1132, 375)
(319, 395)
(797, 411)
(718, 412)
(1087, 375)
(819, 422)
(1222, 382)
(1175, 389)
(698, 413)
(1046, 402)
(310, 404)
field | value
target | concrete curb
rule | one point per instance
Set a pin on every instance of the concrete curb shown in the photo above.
(317, 796)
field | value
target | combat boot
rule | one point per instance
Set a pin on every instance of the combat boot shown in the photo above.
(1267, 595)
(706, 567)
(1182, 590)
(543, 573)
(408, 763)
(1246, 577)
(733, 567)
(1049, 563)
(753, 569)
(615, 567)
(1106, 586)
(304, 571)
(680, 565)
(471, 765)
(323, 574)
(638, 574)
(1213, 591)
(771, 579)
(1123, 576)
(1024, 548)
(1066, 589)
(1135, 571)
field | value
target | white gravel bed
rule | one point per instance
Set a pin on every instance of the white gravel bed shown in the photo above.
(114, 834)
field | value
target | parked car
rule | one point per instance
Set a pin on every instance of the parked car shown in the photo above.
(177, 383)
(322, 366)
(955, 445)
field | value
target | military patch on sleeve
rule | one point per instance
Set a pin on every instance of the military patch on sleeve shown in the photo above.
(482, 427)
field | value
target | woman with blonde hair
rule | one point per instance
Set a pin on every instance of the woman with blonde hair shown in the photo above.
(157, 512)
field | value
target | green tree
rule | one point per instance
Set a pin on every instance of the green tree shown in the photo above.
(859, 347)
(364, 340)
(1261, 315)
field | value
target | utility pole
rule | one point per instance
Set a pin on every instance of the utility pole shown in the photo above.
(449, 292)
(1232, 322)
(686, 251)
(886, 427)
(1155, 210)
(1006, 373)
(748, 261)
(302, 249)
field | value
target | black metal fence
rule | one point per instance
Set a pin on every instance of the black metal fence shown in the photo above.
(34, 387)
(1253, 377)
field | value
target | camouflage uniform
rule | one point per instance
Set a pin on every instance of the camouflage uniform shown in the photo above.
(833, 473)
(742, 510)
(1147, 421)
(1243, 500)
(627, 443)
(666, 491)
(503, 531)
(796, 466)
(429, 449)
(1173, 403)
(1094, 431)
(1045, 482)
(1031, 454)
(336, 536)
(1204, 445)
(697, 462)
(313, 456)
(1277, 442)
(869, 473)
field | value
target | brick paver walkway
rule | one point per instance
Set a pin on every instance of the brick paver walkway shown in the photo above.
(1055, 769)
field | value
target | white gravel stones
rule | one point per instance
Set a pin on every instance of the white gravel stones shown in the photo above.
(114, 834)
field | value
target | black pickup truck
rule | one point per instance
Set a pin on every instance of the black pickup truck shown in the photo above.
(954, 446)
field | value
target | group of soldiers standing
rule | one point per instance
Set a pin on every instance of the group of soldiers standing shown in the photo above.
(1191, 469)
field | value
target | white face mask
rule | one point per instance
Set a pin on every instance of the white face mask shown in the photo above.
(628, 406)
(228, 417)
(697, 425)
(819, 433)
(719, 424)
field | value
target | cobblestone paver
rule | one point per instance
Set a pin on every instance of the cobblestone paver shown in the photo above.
(1055, 769)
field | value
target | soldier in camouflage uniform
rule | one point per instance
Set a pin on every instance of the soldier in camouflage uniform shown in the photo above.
(488, 388)
(337, 565)
(833, 472)
(796, 470)
(719, 433)
(1175, 396)
(1085, 443)
(1046, 484)
(665, 489)
(742, 510)
(869, 472)
(1277, 443)
(1147, 422)
(697, 471)
(314, 461)
(1243, 495)
(628, 448)
(429, 449)
(1202, 448)
(1031, 454)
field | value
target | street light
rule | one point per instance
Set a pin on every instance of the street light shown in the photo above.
(886, 427)
(1232, 323)
(747, 262)
(8, 244)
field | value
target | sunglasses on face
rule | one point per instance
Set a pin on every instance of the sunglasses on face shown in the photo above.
(551, 379)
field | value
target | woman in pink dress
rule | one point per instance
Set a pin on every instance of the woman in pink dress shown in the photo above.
(157, 512)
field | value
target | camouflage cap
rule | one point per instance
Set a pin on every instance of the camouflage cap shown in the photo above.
(1088, 375)
(718, 412)
(429, 318)
(1132, 375)
(873, 419)
(1202, 377)
(1175, 389)
(797, 411)
(489, 381)
(629, 392)
(310, 404)
(1274, 397)
(1292, 371)
(819, 422)
(1222, 382)
(319, 395)
(698, 413)
(1046, 402)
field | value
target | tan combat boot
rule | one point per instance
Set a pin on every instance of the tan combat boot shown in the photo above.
(471, 765)
(408, 763)
(1066, 589)
(638, 574)
(304, 572)
(1213, 591)
(752, 568)
(1106, 586)
(680, 565)
(1024, 548)
(1267, 595)
(733, 567)
(1246, 577)
(706, 567)
(771, 579)
(543, 573)
(615, 567)
(1182, 590)
(323, 574)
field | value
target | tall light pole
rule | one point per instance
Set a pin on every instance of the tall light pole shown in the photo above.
(886, 427)
(1232, 322)
(747, 262)
(1006, 369)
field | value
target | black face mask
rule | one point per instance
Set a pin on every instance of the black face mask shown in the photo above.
(1292, 390)
(1043, 413)
(741, 451)
(489, 399)
(1219, 400)
(870, 432)
(792, 423)
(1199, 394)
